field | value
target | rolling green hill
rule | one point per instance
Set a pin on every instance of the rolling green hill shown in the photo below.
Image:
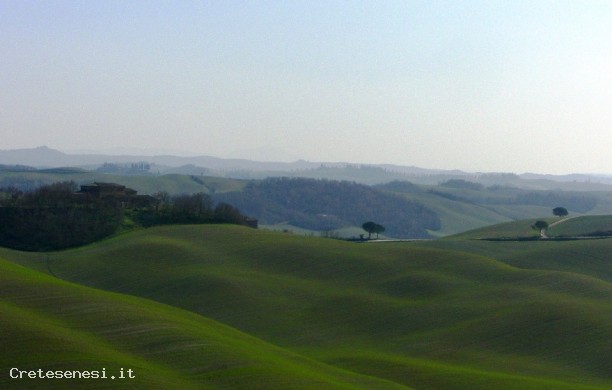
(53, 325)
(446, 208)
(423, 315)
(457, 216)
(323, 205)
(588, 257)
(507, 230)
(567, 227)
(583, 226)
(464, 205)
(144, 184)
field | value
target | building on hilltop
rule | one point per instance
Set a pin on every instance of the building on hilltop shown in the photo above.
(117, 192)
(251, 222)
(102, 190)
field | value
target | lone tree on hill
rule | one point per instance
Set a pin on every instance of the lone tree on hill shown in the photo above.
(372, 227)
(541, 226)
(379, 229)
(560, 211)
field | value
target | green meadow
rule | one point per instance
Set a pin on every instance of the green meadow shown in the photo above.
(144, 184)
(583, 226)
(54, 325)
(215, 306)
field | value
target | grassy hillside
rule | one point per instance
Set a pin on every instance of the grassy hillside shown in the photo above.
(567, 227)
(53, 325)
(509, 230)
(438, 209)
(144, 184)
(420, 316)
(457, 216)
(583, 226)
(579, 257)
(465, 205)
(326, 205)
(588, 257)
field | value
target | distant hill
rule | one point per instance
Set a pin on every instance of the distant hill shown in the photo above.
(44, 157)
(458, 204)
(27, 180)
(572, 227)
(328, 205)
(460, 201)
(41, 157)
(583, 226)
(508, 230)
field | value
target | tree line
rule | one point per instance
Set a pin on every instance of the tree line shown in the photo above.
(56, 216)
(187, 209)
(51, 218)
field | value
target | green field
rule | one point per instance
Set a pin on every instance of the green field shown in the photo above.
(507, 230)
(144, 184)
(232, 307)
(583, 226)
(566, 227)
(54, 325)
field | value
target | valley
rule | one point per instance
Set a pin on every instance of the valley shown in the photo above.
(461, 291)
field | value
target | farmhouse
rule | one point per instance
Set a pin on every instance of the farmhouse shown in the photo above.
(117, 192)
(251, 222)
(103, 190)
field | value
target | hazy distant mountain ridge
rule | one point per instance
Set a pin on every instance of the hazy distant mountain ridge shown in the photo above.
(45, 157)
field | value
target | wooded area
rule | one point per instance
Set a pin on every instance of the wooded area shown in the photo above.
(58, 216)
(326, 205)
(54, 217)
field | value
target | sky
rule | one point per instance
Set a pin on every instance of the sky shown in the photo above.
(506, 86)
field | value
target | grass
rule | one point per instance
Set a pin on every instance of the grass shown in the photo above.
(54, 325)
(581, 257)
(144, 184)
(429, 374)
(568, 227)
(586, 257)
(422, 315)
(582, 226)
(456, 216)
(462, 215)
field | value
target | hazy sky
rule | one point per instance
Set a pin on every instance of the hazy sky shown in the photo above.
(510, 86)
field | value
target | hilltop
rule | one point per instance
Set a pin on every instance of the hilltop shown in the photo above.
(579, 227)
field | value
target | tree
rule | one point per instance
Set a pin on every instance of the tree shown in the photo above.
(541, 226)
(55, 217)
(191, 208)
(560, 211)
(379, 229)
(372, 227)
(163, 200)
(226, 213)
(369, 227)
